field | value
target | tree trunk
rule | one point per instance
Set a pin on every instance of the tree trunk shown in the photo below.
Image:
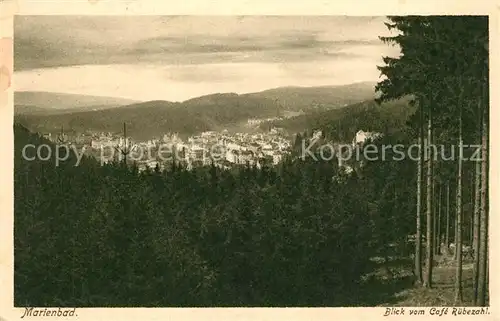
(420, 199)
(458, 245)
(447, 233)
(434, 219)
(456, 235)
(477, 215)
(487, 282)
(470, 226)
(472, 200)
(438, 238)
(429, 236)
(125, 151)
(483, 232)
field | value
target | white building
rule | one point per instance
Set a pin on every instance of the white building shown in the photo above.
(234, 146)
(277, 158)
(207, 134)
(232, 156)
(267, 150)
(104, 143)
(361, 137)
(317, 134)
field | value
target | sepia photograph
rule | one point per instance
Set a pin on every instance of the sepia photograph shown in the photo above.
(251, 161)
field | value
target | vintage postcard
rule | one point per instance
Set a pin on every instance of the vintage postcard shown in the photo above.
(306, 160)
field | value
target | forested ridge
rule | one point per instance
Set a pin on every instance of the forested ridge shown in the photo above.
(210, 112)
(340, 125)
(302, 233)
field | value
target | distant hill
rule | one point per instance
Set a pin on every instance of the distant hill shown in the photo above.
(341, 124)
(211, 99)
(324, 97)
(61, 101)
(33, 110)
(210, 112)
(154, 118)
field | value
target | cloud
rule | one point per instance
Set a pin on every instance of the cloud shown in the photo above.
(177, 58)
(54, 41)
(201, 44)
(181, 82)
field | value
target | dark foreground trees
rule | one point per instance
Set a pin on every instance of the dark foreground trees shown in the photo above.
(444, 67)
(300, 234)
(295, 235)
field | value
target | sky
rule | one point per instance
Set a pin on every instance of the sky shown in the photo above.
(180, 57)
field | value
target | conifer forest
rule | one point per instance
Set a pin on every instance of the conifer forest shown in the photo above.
(305, 232)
